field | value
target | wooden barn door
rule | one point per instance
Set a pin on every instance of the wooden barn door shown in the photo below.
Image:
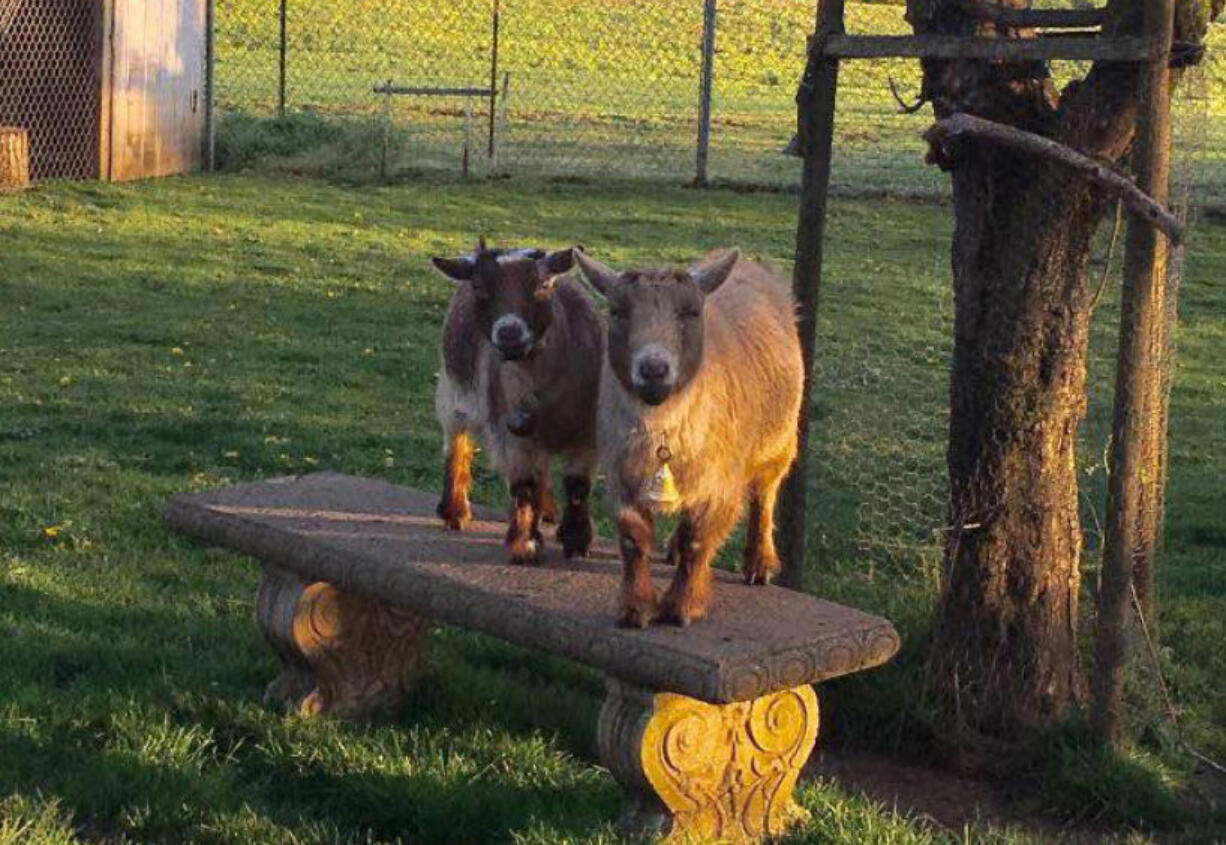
(156, 95)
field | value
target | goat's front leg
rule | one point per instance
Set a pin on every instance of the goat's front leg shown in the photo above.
(700, 535)
(639, 602)
(524, 541)
(453, 507)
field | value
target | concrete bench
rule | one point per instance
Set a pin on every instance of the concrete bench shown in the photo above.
(706, 727)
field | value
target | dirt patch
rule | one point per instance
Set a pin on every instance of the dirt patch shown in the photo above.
(937, 796)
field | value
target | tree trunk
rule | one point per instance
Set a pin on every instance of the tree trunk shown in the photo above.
(1004, 655)
(14, 159)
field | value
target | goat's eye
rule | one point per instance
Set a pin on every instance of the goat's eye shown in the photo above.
(619, 313)
(688, 313)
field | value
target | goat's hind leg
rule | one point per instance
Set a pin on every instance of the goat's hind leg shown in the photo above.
(760, 564)
(454, 508)
(576, 530)
(549, 504)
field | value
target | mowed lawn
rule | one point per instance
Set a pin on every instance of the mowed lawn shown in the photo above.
(199, 331)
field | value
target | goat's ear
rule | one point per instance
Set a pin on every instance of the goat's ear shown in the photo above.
(601, 277)
(456, 269)
(710, 276)
(555, 263)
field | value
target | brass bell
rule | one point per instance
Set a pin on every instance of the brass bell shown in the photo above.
(663, 489)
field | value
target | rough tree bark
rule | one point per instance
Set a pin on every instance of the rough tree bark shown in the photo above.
(1004, 659)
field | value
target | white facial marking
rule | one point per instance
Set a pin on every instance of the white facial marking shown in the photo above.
(506, 320)
(659, 353)
(514, 255)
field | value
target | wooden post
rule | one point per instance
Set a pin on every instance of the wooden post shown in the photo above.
(14, 159)
(283, 15)
(387, 131)
(210, 86)
(1134, 493)
(704, 95)
(815, 122)
(106, 86)
(494, 79)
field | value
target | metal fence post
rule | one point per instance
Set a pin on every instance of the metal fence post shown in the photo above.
(210, 81)
(815, 102)
(494, 80)
(704, 103)
(283, 14)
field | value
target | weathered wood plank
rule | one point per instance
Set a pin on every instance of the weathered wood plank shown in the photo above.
(1036, 18)
(1068, 47)
(385, 542)
(156, 108)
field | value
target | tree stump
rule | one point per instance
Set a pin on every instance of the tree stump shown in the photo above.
(14, 159)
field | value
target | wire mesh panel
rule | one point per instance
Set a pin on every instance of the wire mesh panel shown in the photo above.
(50, 60)
(588, 89)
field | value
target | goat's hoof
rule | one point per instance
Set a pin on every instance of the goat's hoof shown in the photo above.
(549, 515)
(760, 570)
(637, 611)
(681, 611)
(635, 617)
(454, 515)
(526, 551)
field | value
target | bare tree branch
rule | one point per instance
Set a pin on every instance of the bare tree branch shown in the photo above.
(948, 131)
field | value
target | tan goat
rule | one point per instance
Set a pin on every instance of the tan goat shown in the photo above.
(522, 347)
(699, 398)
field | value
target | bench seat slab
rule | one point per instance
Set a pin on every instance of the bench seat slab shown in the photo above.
(701, 772)
(342, 653)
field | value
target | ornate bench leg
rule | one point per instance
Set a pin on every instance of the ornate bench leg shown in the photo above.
(342, 654)
(705, 771)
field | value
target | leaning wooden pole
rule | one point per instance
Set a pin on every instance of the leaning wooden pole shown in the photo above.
(815, 101)
(1134, 492)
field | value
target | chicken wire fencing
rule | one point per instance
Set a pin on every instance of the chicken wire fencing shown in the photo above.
(585, 89)
(879, 429)
(50, 54)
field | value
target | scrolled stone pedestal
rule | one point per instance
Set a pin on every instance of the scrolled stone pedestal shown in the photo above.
(701, 772)
(342, 654)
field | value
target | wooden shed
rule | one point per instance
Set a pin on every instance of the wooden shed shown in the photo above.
(110, 89)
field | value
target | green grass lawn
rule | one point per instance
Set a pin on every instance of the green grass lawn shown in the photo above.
(200, 331)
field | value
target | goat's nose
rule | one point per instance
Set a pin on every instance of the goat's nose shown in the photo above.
(509, 333)
(653, 370)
